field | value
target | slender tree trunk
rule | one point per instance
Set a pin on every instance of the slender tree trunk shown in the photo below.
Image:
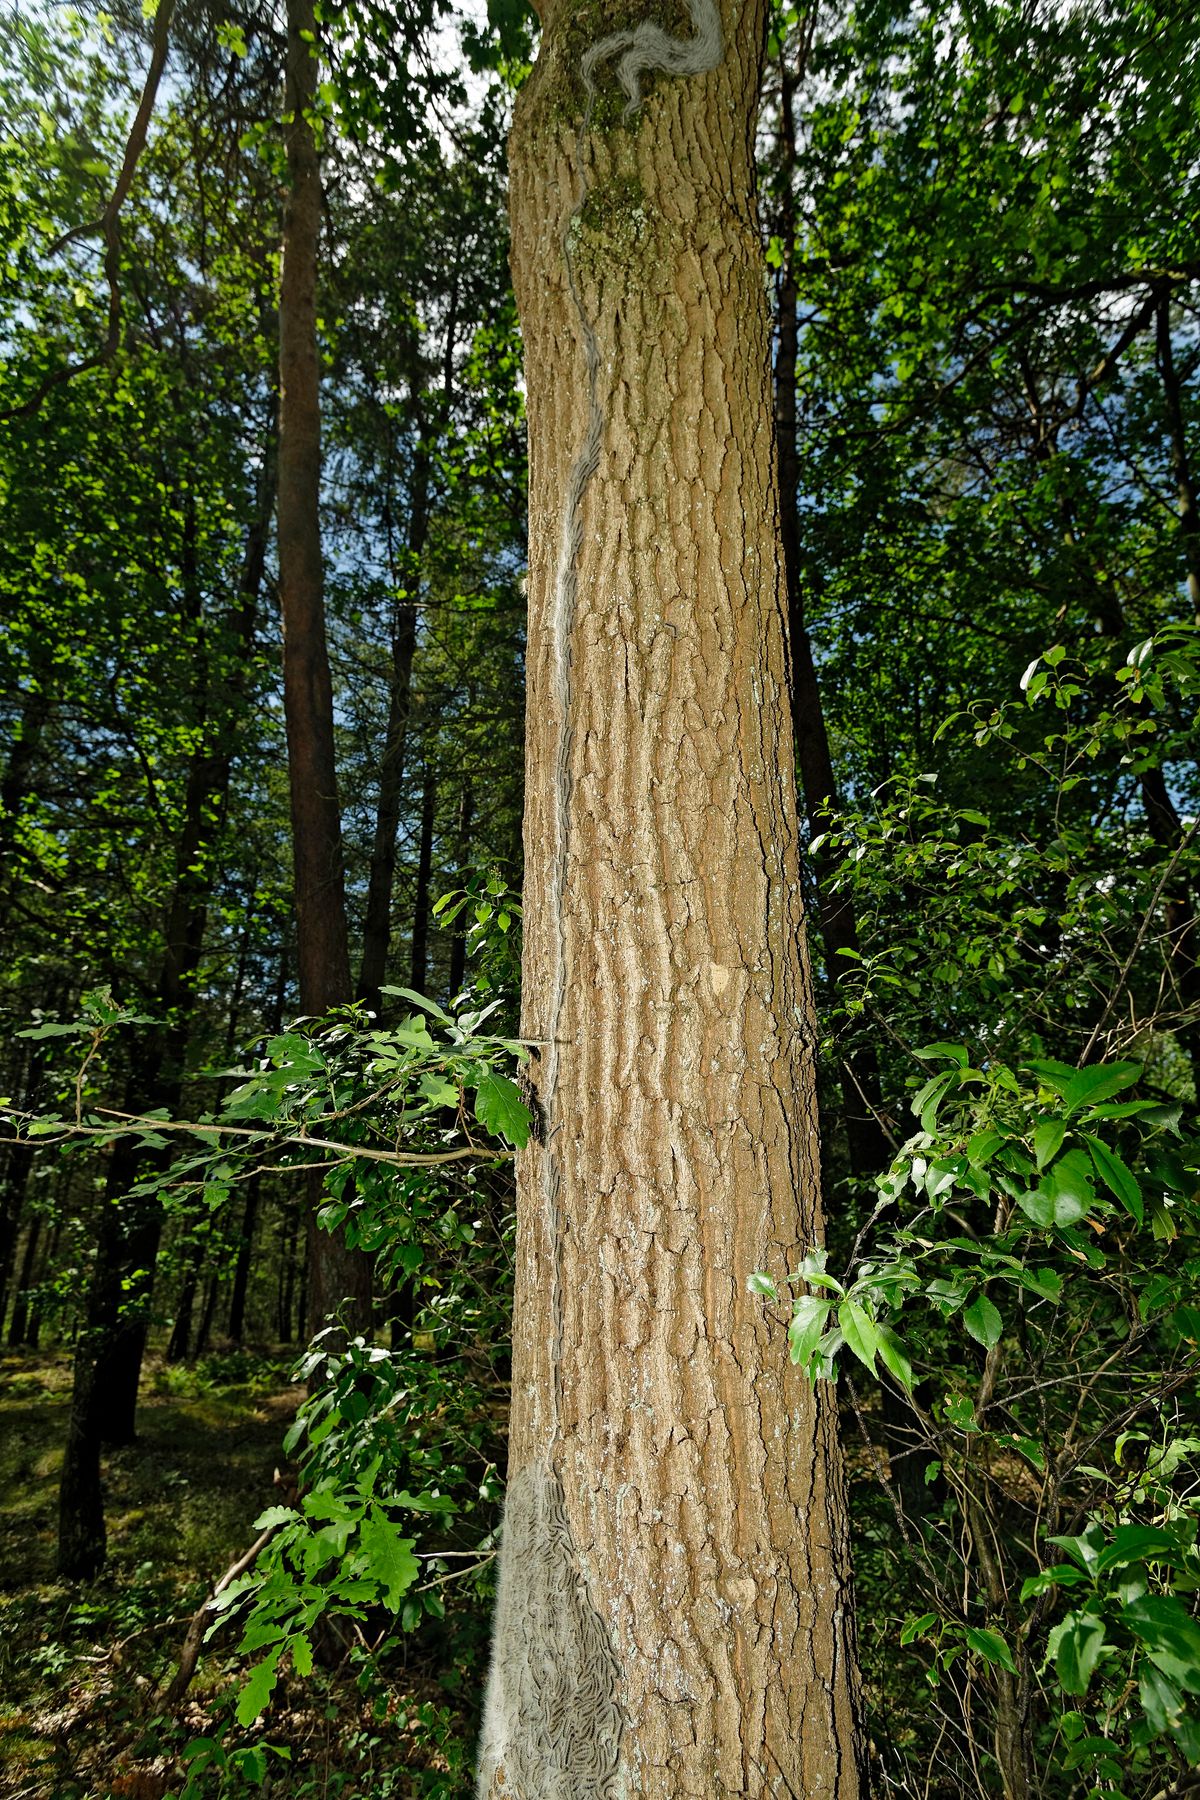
(420, 927)
(16, 1181)
(458, 931)
(245, 1253)
(322, 940)
(674, 1613)
(377, 922)
(179, 1342)
(18, 1327)
(341, 1279)
(204, 1335)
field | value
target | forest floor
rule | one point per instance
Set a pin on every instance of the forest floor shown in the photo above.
(83, 1667)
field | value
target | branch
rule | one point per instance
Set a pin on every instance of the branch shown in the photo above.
(189, 1654)
(138, 1122)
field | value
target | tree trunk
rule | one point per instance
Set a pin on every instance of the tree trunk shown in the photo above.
(18, 1327)
(245, 1251)
(420, 926)
(322, 940)
(458, 929)
(180, 1340)
(204, 1335)
(341, 1279)
(16, 1181)
(377, 920)
(674, 1614)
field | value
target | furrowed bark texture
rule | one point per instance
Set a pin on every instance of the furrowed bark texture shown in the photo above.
(674, 1612)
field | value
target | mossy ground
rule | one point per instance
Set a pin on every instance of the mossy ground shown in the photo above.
(82, 1667)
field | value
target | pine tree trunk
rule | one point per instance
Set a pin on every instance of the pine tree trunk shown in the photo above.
(341, 1279)
(674, 1613)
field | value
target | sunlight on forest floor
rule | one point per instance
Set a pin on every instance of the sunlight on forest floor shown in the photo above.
(81, 1667)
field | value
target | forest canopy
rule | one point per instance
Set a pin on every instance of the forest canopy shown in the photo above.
(798, 407)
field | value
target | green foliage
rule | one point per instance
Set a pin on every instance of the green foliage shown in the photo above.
(1043, 1220)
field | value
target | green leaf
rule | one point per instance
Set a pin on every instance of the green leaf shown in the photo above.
(500, 1109)
(858, 1329)
(991, 1646)
(894, 1357)
(916, 1627)
(925, 1103)
(1162, 1701)
(1171, 1637)
(426, 1005)
(1048, 1135)
(255, 1696)
(983, 1322)
(809, 1316)
(276, 1515)
(1046, 1283)
(1099, 1082)
(1075, 1645)
(1116, 1176)
(762, 1285)
(302, 1654)
(1055, 1075)
(1136, 1543)
(961, 1413)
(389, 1556)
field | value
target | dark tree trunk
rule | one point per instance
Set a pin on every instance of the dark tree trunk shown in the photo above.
(458, 937)
(241, 1273)
(377, 924)
(204, 1335)
(420, 927)
(322, 940)
(284, 1294)
(46, 1262)
(16, 1180)
(180, 1339)
(111, 1345)
(18, 1328)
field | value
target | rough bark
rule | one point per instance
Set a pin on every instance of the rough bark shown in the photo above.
(674, 1612)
